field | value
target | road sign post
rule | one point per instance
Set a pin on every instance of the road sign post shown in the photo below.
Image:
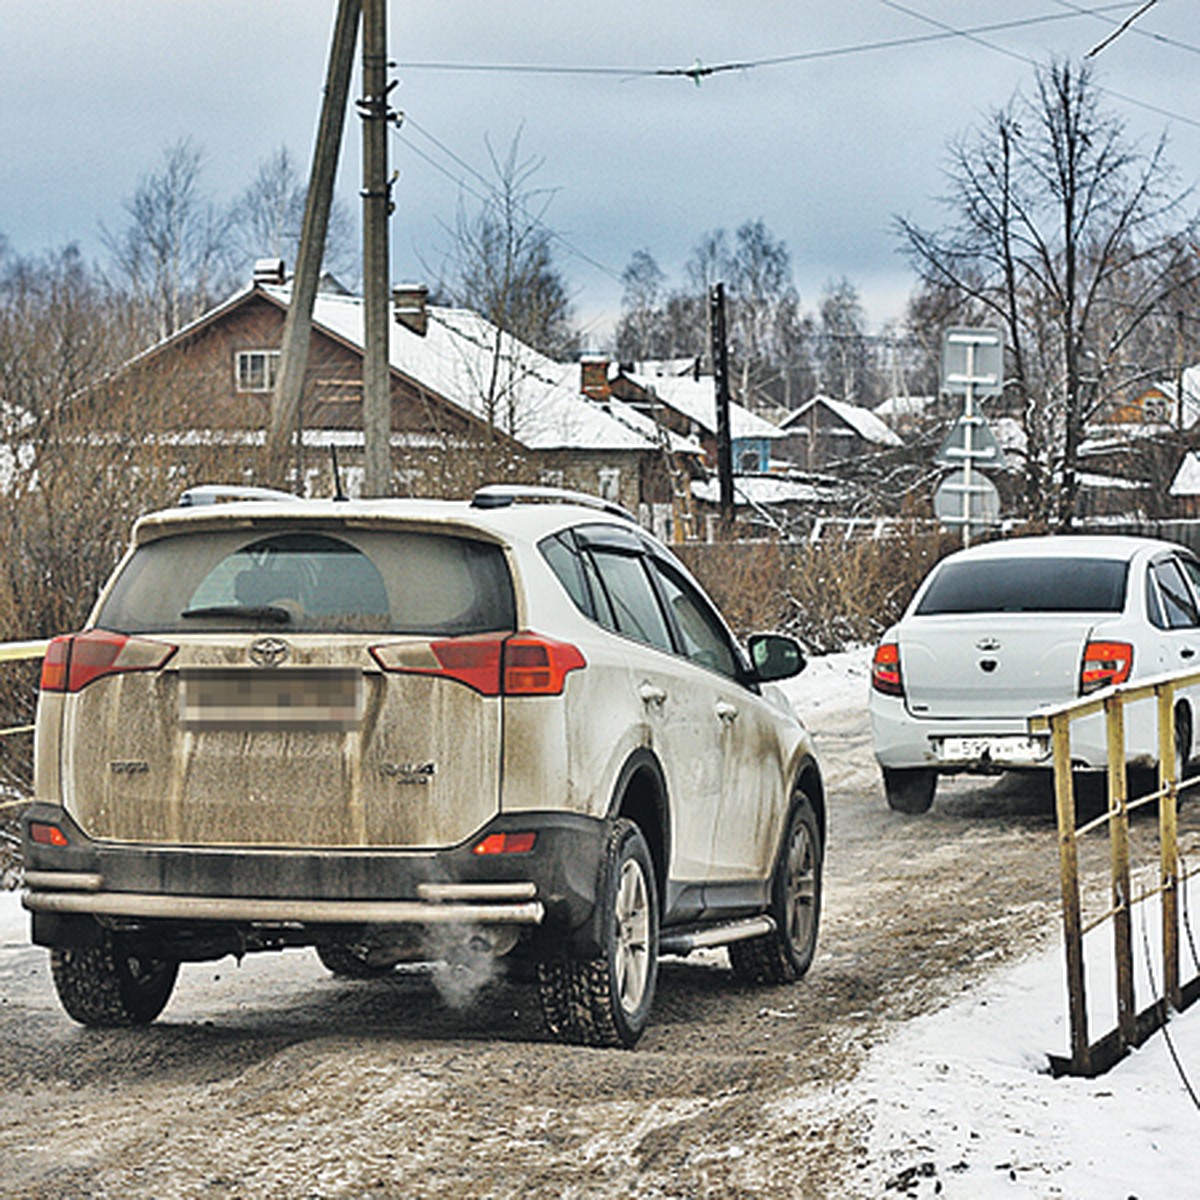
(973, 363)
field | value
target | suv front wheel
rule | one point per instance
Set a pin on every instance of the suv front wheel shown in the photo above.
(787, 952)
(112, 984)
(606, 1001)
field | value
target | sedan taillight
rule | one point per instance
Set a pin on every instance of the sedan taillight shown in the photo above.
(885, 670)
(77, 659)
(1105, 664)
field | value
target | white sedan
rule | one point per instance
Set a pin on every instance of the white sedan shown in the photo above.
(1002, 629)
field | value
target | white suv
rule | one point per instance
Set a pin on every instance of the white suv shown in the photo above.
(400, 730)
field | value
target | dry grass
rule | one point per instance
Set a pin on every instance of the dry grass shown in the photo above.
(831, 595)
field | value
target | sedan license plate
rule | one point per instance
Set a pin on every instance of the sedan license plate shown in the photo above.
(1012, 749)
(290, 698)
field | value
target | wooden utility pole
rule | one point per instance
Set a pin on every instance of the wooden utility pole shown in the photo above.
(377, 400)
(720, 358)
(297, 331)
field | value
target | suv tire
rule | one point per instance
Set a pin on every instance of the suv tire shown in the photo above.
(909, 790)
(786, 953)
(112, 985)
(606, 1001)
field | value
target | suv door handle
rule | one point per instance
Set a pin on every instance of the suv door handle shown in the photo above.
(726, 712)
(1187, 652)
(652, 695)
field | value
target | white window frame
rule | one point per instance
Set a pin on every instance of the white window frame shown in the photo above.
(246, 371)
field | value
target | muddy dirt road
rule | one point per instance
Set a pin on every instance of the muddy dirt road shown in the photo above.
(271, 1079)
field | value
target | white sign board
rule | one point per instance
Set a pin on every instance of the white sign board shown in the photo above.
(959, 501)
(973, 359)
(984, 448)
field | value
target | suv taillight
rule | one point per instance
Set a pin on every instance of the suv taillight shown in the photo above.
(494, 664)
(885, 670)
(1105, 664)
(77, 659)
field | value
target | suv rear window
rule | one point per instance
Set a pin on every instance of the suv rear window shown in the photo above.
(1027, 585)
(312, 581)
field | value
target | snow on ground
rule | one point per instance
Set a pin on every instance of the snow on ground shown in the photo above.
(961, 1102)
(14, 921)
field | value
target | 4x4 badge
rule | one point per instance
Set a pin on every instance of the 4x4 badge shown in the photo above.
(269, 651)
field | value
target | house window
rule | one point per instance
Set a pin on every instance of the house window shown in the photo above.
(256, 370)
(609, 481)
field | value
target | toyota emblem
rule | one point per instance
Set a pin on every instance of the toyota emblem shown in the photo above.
(987, 644)
(269, 651)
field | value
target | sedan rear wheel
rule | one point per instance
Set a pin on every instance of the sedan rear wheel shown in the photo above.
(909, 790)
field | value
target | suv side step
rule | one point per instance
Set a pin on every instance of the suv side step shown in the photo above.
(698, 937)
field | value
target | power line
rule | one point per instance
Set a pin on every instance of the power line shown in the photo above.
(483, 196)
(699, 70)
(1153, 35)
(971, 35)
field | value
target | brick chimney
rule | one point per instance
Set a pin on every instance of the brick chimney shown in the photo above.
(409, 307)
(593, 377)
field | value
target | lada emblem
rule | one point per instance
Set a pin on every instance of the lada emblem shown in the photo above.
(987, 644)
(269, 651)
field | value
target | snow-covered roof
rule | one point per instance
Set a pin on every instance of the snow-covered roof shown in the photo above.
(862, 420)
(766, 490)
(466, 359)
(904, 406)
(696, 399)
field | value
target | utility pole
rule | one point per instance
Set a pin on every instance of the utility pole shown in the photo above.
(297, 330)
(720, 358)
(377, 206)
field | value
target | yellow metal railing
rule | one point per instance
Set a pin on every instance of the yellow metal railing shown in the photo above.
(14, 652)
(1133, 1027)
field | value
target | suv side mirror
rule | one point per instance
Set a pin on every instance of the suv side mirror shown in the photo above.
(774, 656)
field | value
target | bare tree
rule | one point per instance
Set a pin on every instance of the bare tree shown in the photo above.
(846, 370)
(266, 218)
(502, 263)
(642, 331)
(1074, 241)
(173, 252)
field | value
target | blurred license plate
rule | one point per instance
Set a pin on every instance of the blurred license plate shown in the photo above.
(1011, 749)
(291, 698)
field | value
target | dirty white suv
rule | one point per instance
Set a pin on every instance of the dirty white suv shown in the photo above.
(401, 730)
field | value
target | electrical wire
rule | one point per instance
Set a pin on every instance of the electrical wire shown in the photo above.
(1180, 1070)
(699, 70)
(1161, 38)
(483, 196)
(972, 36)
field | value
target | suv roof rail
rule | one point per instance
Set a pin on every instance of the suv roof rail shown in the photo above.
(501, 495)
(216, 493)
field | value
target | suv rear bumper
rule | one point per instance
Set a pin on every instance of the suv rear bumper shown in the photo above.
(554, 885)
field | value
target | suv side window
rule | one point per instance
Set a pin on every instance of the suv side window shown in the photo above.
(635, 606)
(1177, 601)
(704, 638)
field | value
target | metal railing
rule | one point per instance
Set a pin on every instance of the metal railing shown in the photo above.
(1090, 1058)
(16, 652)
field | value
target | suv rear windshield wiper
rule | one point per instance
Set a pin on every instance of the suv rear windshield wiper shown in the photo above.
(251, 612)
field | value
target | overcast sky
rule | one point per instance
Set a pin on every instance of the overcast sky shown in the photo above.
(826, 148)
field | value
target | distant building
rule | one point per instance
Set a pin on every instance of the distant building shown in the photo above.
(824, 432)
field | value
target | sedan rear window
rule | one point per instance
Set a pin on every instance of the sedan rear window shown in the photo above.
(313, 581)
(1027, 585)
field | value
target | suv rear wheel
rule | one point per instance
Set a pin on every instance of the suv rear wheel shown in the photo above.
(606, 1001)
(786, 953)
(113, 984)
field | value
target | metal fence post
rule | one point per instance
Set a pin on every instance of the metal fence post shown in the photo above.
(1068, 858)
(1168, 842)
(1118, 833)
